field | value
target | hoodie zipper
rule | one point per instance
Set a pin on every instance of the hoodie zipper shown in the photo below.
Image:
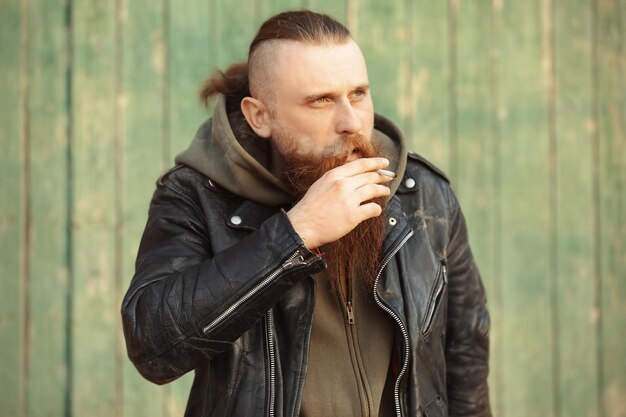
(349, 306)
(271, 353)
(294, 260)
(405, 333)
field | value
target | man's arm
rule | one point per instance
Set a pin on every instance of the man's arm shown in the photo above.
(180, 286)
(467, 343)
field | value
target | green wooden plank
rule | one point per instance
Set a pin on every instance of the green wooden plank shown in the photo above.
(476, 161)
(382, 32)
(527, 333)
(334, 8)
(234, 29)
(577, 318)
(272, 7)
(429, 72)
(610, 27)
(48, 281)
(192, 27)
(11, 210)
(143, 76)
(95, 312)
(191, 57)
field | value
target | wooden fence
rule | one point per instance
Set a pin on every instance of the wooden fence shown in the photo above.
(522, 102)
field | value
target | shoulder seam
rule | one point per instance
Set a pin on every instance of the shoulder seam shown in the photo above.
(429, 165)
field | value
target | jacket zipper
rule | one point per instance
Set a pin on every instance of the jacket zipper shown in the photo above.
(349, 308)
(294, 260)
(434, 302)
(405, 333)
(271, 352)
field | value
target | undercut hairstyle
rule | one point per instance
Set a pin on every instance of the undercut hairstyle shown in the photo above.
(244, 79)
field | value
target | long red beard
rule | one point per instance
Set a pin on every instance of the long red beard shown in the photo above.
(356, 255)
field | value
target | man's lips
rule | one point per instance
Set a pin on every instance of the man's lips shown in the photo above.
(354, 155)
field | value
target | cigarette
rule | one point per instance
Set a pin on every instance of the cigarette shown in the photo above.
(387, 173)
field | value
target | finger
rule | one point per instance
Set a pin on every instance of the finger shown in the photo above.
(371, 191)
(369, 210)
(361, 165)
(371, 177)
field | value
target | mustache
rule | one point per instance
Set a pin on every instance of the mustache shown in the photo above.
(302, 171)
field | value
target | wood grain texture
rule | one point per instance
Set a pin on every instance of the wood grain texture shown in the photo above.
(378, 25)
(610, 64)
(12, 211)
(527, 336)
(476, 158)
(271, 7)
(48, 282)
(191, 57)
(336, 9)
(141, 149)
(234, 30)
(428, 106)
(573, 123)
(96, 315)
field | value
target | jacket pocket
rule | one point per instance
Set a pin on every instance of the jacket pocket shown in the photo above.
(435, 299)
(435, 408)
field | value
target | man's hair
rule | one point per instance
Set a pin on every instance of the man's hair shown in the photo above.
(302, 26)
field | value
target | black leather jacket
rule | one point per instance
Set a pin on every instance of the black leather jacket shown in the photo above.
(223, 286)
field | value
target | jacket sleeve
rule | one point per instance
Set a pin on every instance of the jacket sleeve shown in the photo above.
(467, 341)
(180, 286)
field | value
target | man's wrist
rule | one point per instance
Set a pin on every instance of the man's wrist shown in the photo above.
(301, 229)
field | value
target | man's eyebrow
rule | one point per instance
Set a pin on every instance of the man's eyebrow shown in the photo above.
(313, 96)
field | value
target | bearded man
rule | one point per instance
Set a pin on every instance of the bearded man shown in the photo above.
(288, 266)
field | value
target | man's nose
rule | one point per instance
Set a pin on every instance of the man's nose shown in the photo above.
(347, 120)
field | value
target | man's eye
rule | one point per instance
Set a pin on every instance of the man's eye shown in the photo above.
(321, 100)
(359, 93)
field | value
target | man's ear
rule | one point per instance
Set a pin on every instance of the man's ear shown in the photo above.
(257, 115)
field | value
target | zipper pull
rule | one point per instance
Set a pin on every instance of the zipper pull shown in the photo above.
(350, 312)
(293, 261)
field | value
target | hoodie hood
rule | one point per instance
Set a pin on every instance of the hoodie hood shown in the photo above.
(226, 150)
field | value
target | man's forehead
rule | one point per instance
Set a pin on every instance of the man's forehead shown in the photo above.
(319, 66)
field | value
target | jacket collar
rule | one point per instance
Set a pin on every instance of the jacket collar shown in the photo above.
(250, 215)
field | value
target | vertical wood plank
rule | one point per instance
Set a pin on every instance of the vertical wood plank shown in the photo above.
(47, 127)
(95, 311)
(12, 209)
(272, 7)
(191, 55)
(476, 160)
(382, 32)
(610, 52)
(235, 27)
(334, 8)
(142, 135)
(429, 71)
(577, 317)
(527, 336)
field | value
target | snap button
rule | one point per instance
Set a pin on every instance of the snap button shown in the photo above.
(409, 183)
(392, 221)
(235, 220)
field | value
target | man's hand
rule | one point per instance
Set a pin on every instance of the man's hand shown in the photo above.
(333, 206)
